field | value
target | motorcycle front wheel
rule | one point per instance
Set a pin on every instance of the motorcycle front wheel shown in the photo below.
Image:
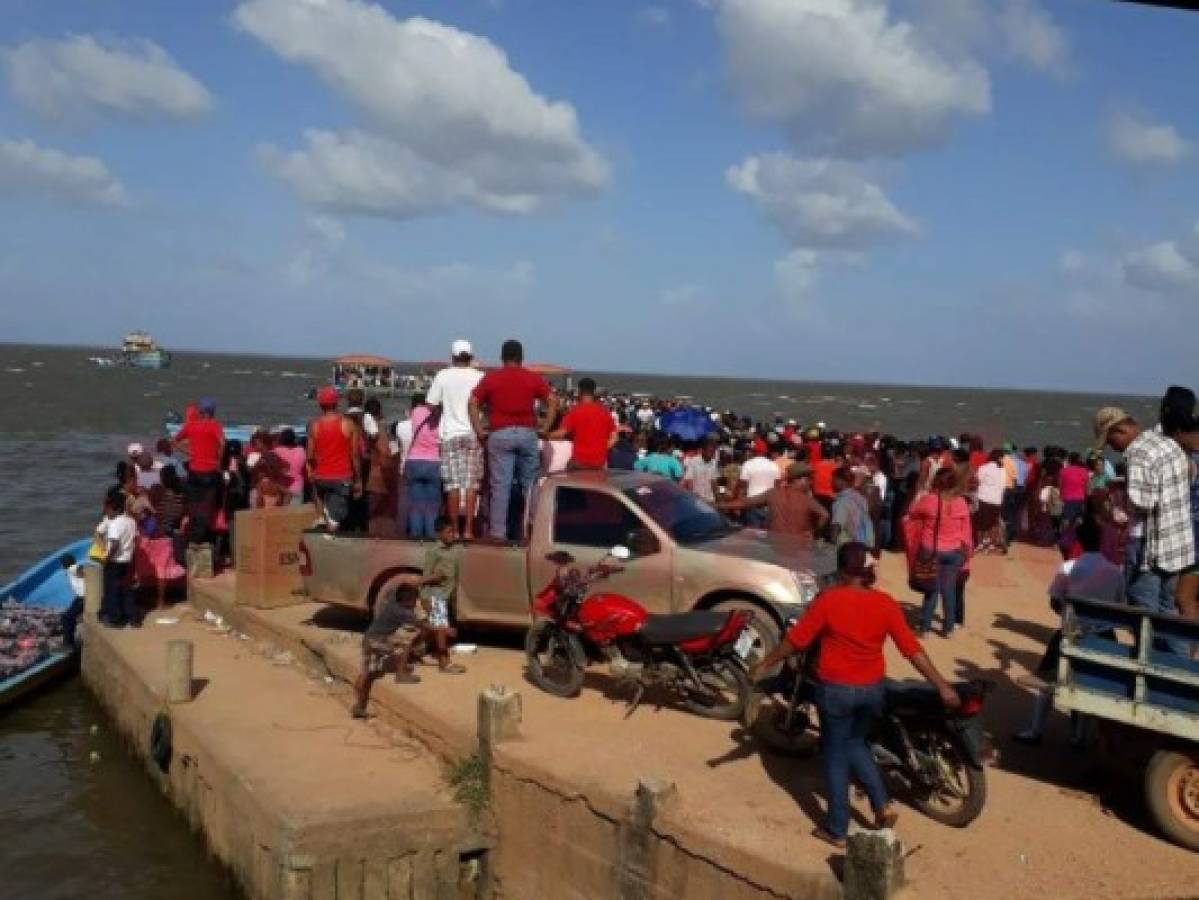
(960, 793)
(551, 660)
(726, 691)
(779, 728)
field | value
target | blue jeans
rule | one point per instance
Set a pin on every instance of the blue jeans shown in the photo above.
(512, 453)
(423, 478)
(949, 565)
(1151, 589)
(847, 713)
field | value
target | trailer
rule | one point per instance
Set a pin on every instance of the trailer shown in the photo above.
(1133, 671)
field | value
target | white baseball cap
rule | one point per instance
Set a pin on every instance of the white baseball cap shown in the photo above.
(461, 348)
(134, 449)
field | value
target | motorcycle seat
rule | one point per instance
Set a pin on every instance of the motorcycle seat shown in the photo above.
(919, 695)
(911, 695)
(675, 628)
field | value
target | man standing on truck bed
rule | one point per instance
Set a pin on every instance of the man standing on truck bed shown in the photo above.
(510, 394)
(333, 460)
(591, 429)
(461, 452)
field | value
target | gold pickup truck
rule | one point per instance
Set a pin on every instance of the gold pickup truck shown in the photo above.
(684, 555)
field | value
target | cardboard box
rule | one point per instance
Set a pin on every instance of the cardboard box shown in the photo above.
(266, 555)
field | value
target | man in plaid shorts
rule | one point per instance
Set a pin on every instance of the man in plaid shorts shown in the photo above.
(461, 452)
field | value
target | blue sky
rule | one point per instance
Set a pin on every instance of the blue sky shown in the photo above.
(975, 192)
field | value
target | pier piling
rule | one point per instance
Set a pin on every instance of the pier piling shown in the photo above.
(179, 672)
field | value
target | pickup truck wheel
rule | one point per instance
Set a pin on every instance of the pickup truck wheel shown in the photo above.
(766, 631)
(386, 585)
(1172, 795)
(551, 658)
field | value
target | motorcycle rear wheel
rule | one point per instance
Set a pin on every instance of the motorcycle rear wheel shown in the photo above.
(551, 660)
(728, 691)
(944, 806)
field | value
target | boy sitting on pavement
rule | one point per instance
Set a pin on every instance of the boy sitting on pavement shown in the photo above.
(392, 633)
(439, 581)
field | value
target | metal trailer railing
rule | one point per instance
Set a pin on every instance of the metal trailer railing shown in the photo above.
(1128, 665)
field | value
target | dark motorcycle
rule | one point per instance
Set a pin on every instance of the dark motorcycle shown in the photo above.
(934, 754)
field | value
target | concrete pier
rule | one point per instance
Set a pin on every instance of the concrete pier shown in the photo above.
(297, 800)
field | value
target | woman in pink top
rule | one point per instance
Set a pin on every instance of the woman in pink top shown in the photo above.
(941, 521)
(422, 472)
(294, 458)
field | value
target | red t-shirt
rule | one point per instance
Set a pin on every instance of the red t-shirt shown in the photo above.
(1073, 481)
(590, 426)
(822, 478)
(203, 438)
(509, 393)
(852, 624)
(978, 459)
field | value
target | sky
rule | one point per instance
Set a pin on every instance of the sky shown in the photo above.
(964, 192)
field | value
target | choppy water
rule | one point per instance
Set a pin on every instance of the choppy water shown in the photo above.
(71, 829)
(74, 827)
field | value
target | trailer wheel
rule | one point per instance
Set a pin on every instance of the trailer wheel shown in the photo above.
(1172, 794)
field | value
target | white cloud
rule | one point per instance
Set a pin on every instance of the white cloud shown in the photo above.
(820, 202)
(653, 17)
(1018, 31)
(30, 169)
(80, 79)
(1136, 140)
(1031, 36)
(842, 76)
(1166, 267)
(450, 122)
(327, 228)
(682, 295)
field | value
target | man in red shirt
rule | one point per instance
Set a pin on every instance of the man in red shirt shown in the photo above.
(205, 442)
(509, 396)
(591, 429)
(853, 621)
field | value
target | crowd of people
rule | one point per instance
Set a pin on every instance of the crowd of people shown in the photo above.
(463, 461)
(472, 449)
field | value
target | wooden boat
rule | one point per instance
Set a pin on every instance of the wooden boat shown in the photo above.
(44, 584)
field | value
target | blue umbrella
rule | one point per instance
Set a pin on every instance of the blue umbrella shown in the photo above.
(687, 424)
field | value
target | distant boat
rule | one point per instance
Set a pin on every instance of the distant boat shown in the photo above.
(140, 351)
(44, 584)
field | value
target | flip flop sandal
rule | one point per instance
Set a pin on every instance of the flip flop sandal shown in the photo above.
(452, 669)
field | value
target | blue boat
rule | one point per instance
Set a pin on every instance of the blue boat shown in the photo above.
(44, 584)
(242, 433)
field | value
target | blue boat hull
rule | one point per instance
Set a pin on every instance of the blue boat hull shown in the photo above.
(43, 584)
(242, 433)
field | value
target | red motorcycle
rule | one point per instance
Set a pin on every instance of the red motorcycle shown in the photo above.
(698, 656)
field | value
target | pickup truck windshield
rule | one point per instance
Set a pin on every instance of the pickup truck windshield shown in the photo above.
(687, 518)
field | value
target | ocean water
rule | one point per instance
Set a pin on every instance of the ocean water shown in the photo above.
(72, 827)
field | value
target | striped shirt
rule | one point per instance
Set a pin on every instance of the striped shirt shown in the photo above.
(1159, 486)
